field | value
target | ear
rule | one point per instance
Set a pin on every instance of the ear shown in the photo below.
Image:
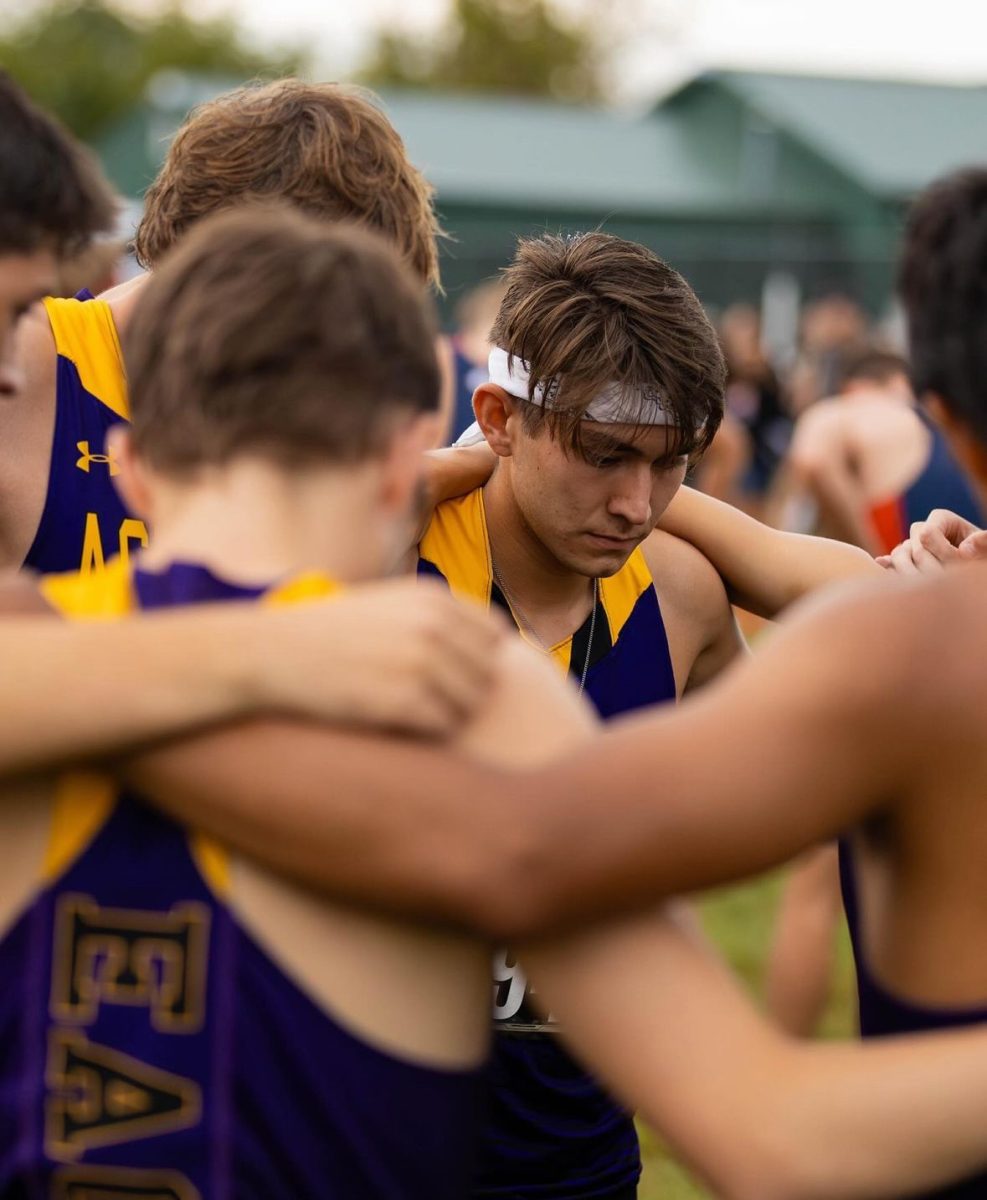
(403, 464)
(130, 475)
(967, 448)
(497, 416)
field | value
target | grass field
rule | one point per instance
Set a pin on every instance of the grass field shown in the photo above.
(740, 920)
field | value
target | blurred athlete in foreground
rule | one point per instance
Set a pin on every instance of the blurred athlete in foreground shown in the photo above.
(151, 1036)
(874, 464)
(160, 991)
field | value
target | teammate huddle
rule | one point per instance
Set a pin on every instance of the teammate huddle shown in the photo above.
(247, 950)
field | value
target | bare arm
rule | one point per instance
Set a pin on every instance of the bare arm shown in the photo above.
(455, 471)
(830, 713)
(87, 689)
(765, 570)
(653, 1010)
(821, 461)
(658, 1017)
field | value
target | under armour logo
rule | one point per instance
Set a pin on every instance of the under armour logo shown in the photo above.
(84, 462)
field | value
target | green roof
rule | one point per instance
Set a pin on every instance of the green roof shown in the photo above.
(893, 137)
(514, 152)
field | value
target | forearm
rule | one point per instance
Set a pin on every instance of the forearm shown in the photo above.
(841, 500)
(906, 1113)
(455, 471)
(661, 1020)
(89, 689)
(765, 570)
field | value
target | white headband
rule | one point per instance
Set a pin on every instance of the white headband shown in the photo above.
(614, 405)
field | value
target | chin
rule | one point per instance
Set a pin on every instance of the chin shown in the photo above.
(596, 566)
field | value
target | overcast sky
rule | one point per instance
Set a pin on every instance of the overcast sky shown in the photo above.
(945, 39)
(670, 39)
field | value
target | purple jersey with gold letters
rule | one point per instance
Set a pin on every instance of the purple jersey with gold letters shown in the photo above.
(149, 1047)
(553, 1131)
(84, 522)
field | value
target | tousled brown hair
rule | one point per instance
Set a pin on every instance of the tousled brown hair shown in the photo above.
(592, 309)
(325, 148)
(52, 191)
(269, 333)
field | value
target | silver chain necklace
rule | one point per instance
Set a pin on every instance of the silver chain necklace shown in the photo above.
(528, 628)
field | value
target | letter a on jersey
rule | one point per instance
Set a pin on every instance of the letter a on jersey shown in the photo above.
(98, 1097)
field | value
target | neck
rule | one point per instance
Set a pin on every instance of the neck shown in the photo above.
(254, 523)
(534, 576)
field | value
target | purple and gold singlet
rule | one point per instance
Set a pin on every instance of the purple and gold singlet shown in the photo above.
(149, 1048)
(552, 1130)
(84, 523)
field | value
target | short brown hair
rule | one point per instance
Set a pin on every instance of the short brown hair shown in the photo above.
(324, 148)
(52, 192)
(269, 333)
(592, 309)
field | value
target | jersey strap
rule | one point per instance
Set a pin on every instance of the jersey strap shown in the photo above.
(86, 335)
(456, 548)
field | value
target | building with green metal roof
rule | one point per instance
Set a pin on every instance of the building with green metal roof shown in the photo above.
(736, 178)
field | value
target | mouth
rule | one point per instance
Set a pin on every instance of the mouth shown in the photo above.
(607, 542)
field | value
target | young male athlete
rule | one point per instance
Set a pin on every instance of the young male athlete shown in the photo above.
(175, 1023)
(873, 461)
(194, 1030)
(53, 201)
(324, 148)
(562, 539)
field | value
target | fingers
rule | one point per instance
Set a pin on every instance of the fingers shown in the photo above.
(974, 546)
(953, 527)
(931, 549)
(901, 559)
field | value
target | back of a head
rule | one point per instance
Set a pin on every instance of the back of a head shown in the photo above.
(52, 192)
(943, 286)
(324, 148)
(588, 311)
(269, 334)
(873, 366)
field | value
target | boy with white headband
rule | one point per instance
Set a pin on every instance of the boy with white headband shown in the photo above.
(605, 378)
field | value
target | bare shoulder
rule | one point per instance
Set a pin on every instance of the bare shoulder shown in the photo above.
(821, 428)
(36, 351)
(684, 576)
(533, 713)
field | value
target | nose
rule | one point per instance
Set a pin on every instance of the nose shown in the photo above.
(631, 500)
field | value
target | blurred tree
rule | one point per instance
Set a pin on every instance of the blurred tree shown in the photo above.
(89, 62)
(519, 47)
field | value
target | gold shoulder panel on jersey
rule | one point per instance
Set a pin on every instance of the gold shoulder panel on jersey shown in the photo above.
(456, 542)
(91, 595)
(83, 802)
(621, 592)
(86, 335)
(312, 585)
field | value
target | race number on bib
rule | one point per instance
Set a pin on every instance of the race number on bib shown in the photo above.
(514, 1011)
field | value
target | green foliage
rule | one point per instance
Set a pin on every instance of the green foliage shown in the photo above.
(89, 63)
(517, 47)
